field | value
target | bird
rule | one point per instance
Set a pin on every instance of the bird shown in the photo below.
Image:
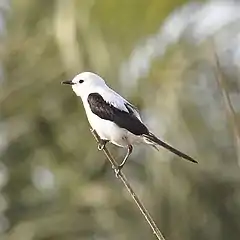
(114, 118)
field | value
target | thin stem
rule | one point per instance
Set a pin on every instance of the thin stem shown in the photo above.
(228, 105)
(124, 180)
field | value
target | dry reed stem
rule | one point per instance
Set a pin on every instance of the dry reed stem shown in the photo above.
(126, 183)
(228, 105)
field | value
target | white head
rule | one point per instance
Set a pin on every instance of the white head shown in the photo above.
(85, 82)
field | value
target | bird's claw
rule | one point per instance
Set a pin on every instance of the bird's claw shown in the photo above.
(117, 170)
(101, 146)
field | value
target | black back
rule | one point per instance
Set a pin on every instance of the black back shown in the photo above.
(123, 119)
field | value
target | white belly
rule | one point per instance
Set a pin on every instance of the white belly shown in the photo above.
(108, 130)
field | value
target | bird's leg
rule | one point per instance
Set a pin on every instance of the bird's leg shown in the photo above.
(119, 168)
(129, 151)
(102, 143)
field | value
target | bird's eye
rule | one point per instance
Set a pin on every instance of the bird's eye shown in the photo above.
(81, 81)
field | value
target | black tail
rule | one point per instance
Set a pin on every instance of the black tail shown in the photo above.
(154, 140)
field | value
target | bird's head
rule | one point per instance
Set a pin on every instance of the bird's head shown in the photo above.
(85, 82)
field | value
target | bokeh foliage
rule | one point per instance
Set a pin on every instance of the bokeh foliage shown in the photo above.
(57, 185)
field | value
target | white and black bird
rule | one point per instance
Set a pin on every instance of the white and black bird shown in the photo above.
(113, 118)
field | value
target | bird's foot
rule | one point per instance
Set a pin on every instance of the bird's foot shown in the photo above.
(102, 144)
(117, 170)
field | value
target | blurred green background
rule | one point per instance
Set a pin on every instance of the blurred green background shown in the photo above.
(54, 183)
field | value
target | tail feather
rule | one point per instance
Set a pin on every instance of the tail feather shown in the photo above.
(154, 140)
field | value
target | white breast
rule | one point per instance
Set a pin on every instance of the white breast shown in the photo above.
(106, 129)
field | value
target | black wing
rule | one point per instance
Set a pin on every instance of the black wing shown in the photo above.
(123, 119)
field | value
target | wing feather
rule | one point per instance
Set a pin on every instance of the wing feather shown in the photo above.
(117, 110)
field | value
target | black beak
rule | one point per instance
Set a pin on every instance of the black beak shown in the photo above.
(67, 82)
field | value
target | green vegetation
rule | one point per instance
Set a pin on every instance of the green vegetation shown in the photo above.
(55, 184)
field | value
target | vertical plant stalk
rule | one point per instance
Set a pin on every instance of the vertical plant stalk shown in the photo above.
(228, 105)
(127, 185)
